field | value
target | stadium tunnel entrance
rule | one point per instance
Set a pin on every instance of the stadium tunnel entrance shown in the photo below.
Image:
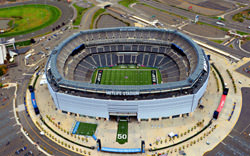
(120, 116)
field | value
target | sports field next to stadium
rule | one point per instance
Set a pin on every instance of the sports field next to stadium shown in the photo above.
(82, 128)
(126, 75)
(24, 19)
(122, 132)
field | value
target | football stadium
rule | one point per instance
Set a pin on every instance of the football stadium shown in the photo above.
(146, 73)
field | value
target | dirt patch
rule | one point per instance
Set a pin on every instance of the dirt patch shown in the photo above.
(157, 14)
(83, 5)
(204, 30)
(4, 24)
(213, 5)
(206, 7)
(171, 2)
(106, 21)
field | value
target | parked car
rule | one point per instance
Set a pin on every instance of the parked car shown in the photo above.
(20, 150)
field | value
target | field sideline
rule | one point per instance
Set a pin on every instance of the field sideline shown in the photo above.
(125, 75)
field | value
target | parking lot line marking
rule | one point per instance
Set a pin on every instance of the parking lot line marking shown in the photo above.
(18, 132)
(244, 129)
(15, 125)
(12, 117)
(230, 136)
(223, 143)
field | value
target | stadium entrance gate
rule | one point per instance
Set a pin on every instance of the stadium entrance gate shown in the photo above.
(124, 116)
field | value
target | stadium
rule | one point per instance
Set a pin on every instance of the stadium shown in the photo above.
(147, 73)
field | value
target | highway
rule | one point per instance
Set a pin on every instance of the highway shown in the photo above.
(191, 15)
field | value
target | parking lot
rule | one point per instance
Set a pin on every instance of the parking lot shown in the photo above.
(12, 139)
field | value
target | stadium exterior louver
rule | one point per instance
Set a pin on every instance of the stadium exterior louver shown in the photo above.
(182, 63)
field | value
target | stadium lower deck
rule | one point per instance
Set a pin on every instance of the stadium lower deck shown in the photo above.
(126, 74)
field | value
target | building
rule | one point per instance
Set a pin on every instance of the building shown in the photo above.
(183, 66)
(3, 53)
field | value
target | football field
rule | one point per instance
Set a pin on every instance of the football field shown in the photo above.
(126, 75)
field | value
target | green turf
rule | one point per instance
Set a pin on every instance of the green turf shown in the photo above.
(122, 132)
(29, 18)
(126, 75)
(86, 129)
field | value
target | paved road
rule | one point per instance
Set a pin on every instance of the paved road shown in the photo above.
(67, 15)
(238, 141)
(87, 17)
(235, 52)
(11, 137)
(191, 15)
(11, 133)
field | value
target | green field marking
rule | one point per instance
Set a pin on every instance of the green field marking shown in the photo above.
(126, 75)
(29, 18)
(86, 129)
(122, 132)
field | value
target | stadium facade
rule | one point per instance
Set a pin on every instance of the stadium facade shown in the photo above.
(183, 65)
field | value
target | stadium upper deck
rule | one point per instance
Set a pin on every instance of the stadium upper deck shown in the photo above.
(137, 43)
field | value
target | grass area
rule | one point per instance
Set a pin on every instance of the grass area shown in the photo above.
(126, 3)
(126, 75)
(80, 12)
(220, 76)
(241, 5)
(34, 83)
(97, 13)
(170, 13)
(233, 82)
(29, 18)
(241, 33)
(231, 46)
(217, 41)
(3, 69)
(241, 16)
(217, 27)
(86, 129)
(21, 43)
(221, 19)
(10, 23)
(122, 132)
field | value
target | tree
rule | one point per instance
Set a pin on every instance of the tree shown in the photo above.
(32, 40)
